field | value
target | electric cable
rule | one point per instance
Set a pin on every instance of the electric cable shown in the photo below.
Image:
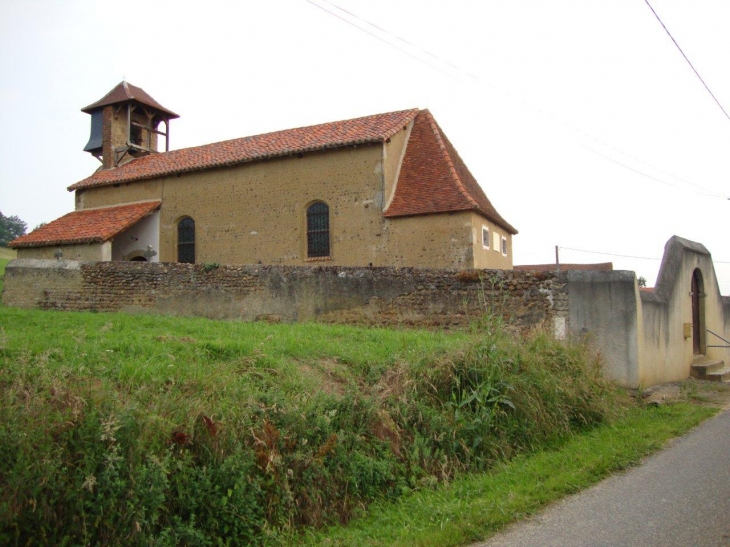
(625, 256)
(687, 59)
(704, 191)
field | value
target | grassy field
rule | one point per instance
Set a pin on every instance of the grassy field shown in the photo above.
(146, 430)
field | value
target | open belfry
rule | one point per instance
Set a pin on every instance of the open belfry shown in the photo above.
(125, 124)
(381, 190)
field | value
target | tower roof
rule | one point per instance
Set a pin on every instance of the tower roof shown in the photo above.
(127, 92)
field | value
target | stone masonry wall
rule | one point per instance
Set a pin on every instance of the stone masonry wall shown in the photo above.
(389, 296)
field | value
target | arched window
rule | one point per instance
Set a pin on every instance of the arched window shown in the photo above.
(318, 230)
(186, 240)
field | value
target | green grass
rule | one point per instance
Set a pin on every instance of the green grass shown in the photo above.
(474, 507)
(136, 430)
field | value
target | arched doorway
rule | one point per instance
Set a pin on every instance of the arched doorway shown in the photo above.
(698, 313)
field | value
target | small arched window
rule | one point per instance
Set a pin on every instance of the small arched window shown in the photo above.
(186, 240)
(318, 230)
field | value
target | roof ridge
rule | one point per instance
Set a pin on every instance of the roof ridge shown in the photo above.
(449, 162)
(392, 131)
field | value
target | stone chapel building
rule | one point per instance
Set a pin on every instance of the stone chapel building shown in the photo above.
(382, 190)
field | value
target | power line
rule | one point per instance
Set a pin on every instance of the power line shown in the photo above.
(609, 254)
(411, 44)
(626, 256)
(705, 191)
(649, 176)
(375, 35)
(687, 59)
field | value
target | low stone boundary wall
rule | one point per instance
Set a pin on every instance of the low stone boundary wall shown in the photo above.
(388, 296)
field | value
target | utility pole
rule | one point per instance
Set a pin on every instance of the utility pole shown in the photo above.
(557, 260)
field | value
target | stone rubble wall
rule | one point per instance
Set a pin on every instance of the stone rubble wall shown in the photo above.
(333, 294)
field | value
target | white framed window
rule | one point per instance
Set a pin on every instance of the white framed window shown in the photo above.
(504, 246)
(496, 243)
(485, 237)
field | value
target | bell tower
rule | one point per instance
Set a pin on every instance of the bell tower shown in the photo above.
(125, 124)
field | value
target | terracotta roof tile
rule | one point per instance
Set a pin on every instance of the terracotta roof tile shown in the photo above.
(86, 226)
(434, 179)
(370, 129)
(125, 92)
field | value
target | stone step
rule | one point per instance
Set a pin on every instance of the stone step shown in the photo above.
(722, 375)
(703, 370)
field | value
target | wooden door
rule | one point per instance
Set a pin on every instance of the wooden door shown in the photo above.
(696, 316)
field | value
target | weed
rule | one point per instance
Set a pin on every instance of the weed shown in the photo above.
(210, 266)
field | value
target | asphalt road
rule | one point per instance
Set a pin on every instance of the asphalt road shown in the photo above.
(679, 497)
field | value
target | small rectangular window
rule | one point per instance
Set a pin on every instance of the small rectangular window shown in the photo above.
(504, 246)
(485, 237)
(496, 245)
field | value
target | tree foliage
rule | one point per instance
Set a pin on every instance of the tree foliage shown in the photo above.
(10, 228)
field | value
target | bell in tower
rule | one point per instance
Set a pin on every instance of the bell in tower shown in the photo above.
(125, 124)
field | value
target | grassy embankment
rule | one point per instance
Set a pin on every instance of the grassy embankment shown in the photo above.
(140, 430)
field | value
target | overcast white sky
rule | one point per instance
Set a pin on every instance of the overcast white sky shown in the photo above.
(579, 118)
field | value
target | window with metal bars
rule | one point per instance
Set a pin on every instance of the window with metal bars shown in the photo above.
(318, 230)
(186, 240)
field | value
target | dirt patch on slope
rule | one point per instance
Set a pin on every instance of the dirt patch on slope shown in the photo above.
(699, 392)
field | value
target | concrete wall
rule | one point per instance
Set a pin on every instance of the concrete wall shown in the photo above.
(394, 296)
(603, 312)
(86, 251)
(256, 213)
(642, 334)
